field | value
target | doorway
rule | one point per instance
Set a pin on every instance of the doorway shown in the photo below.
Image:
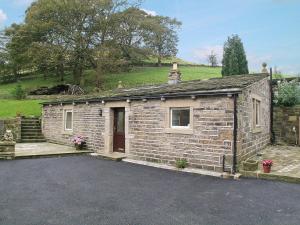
(119, 130)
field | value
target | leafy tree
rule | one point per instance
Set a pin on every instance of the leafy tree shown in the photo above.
(234, 58)
(212, 59)
(162, 38)
(20, 40)
(74, 35)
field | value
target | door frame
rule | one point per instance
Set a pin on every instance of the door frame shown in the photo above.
(108, 113)
(120, 109)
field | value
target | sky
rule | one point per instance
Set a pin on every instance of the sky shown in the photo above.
(269, 29)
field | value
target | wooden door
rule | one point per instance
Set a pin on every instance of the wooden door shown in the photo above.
(119, 130)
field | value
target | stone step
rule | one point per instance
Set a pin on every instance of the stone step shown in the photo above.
(31, 132)
(32, 136)
(32, 140)
(30, 126)
(24, 132)
(31, 122)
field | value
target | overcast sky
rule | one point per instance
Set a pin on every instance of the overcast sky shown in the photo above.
(269, 28)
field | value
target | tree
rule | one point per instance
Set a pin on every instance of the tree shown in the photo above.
(59, 35)
(212, 59)
(234, 58)
(20, 40)
(162, 38)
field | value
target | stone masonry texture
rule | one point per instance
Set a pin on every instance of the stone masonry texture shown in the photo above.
(285, 119)
(250, 141)
(150, 138)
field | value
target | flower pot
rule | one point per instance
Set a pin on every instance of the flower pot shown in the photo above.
(79, 147)
(250, 165)
(267, 169)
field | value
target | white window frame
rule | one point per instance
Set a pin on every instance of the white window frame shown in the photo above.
(66, 111)
(256, 123)
(171, 117)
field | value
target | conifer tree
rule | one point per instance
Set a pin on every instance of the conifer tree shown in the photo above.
(234, 57)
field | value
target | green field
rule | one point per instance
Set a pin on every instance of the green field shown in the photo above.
(136, 77)
(9, 108)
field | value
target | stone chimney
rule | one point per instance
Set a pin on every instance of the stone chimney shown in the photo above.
(264, 69)
(174, 75)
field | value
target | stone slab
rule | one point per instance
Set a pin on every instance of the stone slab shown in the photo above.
(286, 164)
(32, 150)
(168, 167)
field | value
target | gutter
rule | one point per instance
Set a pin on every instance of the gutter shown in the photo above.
(235, 128)
(150, 97)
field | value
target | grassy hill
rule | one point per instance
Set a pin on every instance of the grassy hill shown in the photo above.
(138, 76)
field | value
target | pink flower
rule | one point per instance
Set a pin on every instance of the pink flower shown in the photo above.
(267, 162)
(78, 140)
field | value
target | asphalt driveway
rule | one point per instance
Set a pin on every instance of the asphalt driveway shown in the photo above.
(88, 191)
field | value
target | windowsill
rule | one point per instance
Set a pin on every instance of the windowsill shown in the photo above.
(179, 131)
(67, 132)
(256, 130)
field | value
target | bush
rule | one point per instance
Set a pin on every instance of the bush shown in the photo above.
(19, 93)
(288, 94)
(181, 163)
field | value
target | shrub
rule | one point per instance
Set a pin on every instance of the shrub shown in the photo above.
(288, 94)
(19, 93)
(181, 163)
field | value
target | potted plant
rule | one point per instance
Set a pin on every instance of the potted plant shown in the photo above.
(79, 142)
(267, 164)
(250, 165)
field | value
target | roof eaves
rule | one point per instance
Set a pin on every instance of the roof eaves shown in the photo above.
(155, 96)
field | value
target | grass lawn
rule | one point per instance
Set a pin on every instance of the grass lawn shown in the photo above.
(136, 77)
(9, 108)
(153, 75)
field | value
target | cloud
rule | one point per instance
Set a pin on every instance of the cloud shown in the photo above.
(200, 54)
(3, 17)
(150, 12)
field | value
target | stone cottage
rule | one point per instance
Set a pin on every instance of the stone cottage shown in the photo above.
(213, 124)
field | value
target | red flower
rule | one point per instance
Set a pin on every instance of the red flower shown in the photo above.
(267, 162)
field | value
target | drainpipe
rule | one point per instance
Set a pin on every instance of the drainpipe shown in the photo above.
(272, 136)
(235, 127)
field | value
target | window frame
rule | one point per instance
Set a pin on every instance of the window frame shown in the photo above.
(66, 111)
(171, 117)
(256, 113)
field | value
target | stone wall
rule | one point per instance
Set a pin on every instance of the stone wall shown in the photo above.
(285, 118)
(251, 140)
(204, 147)
(86, 122)
(150, 138)
(11, 124)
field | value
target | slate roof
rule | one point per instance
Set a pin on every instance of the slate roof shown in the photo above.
(213, 86)
(217, 84)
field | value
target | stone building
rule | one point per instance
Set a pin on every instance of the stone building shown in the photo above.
(213, 124)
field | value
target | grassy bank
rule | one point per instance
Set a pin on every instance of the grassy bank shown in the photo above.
(9, 108)
(136, 77)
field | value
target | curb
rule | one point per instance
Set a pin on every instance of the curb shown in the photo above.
(270, 176)
(54, 155)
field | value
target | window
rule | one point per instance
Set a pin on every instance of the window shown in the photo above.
(68, 118)
(180, 117)
(256, 113)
